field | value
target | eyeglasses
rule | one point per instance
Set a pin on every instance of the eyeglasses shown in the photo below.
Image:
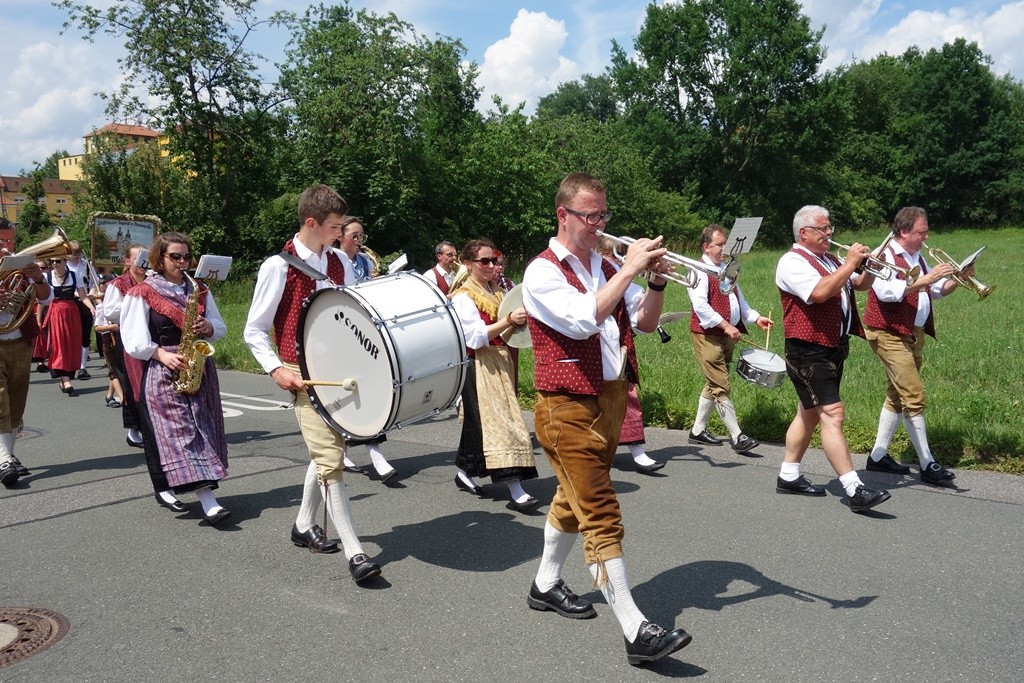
(357, 237)
(822, 229)
(450, 254)
(178, 257)
(487, 261)
(591, 218)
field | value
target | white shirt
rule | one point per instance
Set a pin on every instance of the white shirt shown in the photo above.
(895, 289)
(113, 301)
(448, 277)
(267, 296)
(474, 329)
(81, 271)
(706, 316)
(794, 274)
(549, 298)
(135, 325)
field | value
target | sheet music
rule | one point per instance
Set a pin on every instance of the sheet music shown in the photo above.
(399, 263)
(969, 261)
(742, 236)
(142, 259)
(13, 262)
(213, 267)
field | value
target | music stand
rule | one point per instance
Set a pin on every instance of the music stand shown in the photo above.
(213, 267)
(742, 235)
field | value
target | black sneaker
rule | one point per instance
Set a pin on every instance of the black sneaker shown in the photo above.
(653, 642)
(886, 464)
(936, 475)
(865, 499)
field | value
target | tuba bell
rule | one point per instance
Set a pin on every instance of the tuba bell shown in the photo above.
(374, 257)
(17, 294)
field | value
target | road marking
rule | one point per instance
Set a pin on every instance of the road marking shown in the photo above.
(250, 403)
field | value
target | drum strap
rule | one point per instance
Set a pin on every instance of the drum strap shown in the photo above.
(301, 266)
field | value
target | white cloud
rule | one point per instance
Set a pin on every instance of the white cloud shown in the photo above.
(527, 63)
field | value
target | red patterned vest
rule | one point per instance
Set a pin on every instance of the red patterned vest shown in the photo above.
(585, 375)
(720, 303)
(898, 316)
(442, 284)
(297, 287)
(124, 282)
(818, 323)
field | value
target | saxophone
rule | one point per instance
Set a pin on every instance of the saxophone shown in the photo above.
(196, 351)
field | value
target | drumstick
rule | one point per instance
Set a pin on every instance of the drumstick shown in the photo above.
(349, 384)
(768, 332)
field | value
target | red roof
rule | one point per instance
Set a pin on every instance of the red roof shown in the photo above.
(124, 129)
(50, 185)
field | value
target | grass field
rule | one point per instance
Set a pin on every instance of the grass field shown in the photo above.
(974, 382)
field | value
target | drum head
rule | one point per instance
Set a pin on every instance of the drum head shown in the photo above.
(339, 340)
(764, 360)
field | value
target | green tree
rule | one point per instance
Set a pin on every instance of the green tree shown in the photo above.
(49, 168)
(33, 219)
(590, 97)
(203, 89)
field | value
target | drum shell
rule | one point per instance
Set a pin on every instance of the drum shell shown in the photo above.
(397, 337)
(761, 367)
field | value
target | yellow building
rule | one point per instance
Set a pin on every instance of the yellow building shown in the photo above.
(118, 135)
(59, 199)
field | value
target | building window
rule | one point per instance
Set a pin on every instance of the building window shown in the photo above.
(19, 199)
(62, 200)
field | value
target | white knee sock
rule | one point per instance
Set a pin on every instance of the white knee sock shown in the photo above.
(616, 592)
(311, 498)
(850, 482)
(7, 446)
(516, 491)
(341, 515)
(208, 501)
(704, 407)
(888, 421)
(379, 463)
(85, 356)
(919, 437)
(639, 456)
(727, 412)
(557, 546)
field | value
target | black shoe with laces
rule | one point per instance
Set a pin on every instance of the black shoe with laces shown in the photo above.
(705, 438)
(561, 600)
(653, 642)
(865, 499)
(886, 464)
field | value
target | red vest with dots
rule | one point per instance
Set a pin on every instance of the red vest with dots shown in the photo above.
(720, 303)
(898, 316)
(298, 286)
(818, 323)
(551, 349)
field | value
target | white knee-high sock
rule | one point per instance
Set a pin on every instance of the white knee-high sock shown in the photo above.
(341, 515)
(919, 437)
(344, 458)
(727, 412)
(208, 501)
(888, 421)
(517, 492)
(311, 498)
(557, 546)
(640, 456)
(704, 407)
(615, 589)
(379, 462)
(85, 356)
(7, 446)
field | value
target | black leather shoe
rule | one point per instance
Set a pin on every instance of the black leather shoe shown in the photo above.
(21, 469)
(650, 469)
(800, 487)
(315, 538)
(133, 444)
(83, 374)
(525, 506)
(463, 486)
(865, 499)
(362, 568)
(744, 443)
(355, 469)
(704, 438)
(886, 464)
(176, 506)
(42, 368)
(936, 475)
(561, 600)
(653, 642)
(8, 474)
(217, 517)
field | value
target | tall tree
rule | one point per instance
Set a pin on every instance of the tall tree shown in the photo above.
(49, 168)
(187, 74)
(591, 97)
(33, 219)
(728, 94)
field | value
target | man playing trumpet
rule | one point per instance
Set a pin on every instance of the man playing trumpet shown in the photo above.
(716, 322)
(898, 316)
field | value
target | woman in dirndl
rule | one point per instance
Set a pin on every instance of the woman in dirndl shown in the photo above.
(183, 434)
(63, 324)
(495, 441)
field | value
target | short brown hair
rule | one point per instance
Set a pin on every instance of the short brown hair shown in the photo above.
(473, 248)
(320, 201)
(573, 184)
(905, 219)
(708, 233)
(158, 249)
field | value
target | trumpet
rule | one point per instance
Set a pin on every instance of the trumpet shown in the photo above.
(940, 256)
(692, 266)
(880, 268)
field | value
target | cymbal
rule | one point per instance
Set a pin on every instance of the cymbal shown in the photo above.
(517, 337)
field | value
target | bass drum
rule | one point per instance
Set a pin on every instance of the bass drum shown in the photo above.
(761, 367)
(394, 341)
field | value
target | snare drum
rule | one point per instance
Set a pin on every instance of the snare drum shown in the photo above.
(400, 340)
(761, 367)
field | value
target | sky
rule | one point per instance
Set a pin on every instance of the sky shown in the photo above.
(524, 50)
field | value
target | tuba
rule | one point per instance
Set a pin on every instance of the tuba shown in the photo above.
(17, 294)
(374, 257)
(196, 351)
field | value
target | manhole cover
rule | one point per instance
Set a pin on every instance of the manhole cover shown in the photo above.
(24, 631)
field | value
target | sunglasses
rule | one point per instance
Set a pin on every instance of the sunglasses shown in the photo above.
(178, 257)
(487, 261)
(56, 260)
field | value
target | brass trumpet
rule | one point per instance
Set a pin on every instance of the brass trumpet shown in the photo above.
(940, 256)
(879, 267)
(687, 278)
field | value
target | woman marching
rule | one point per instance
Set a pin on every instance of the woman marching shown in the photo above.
(63, 324)
(495, 440)
(183, 433)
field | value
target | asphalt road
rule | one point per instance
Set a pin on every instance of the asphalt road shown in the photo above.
(773, 588)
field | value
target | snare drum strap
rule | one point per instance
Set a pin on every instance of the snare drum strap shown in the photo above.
(301, 266)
